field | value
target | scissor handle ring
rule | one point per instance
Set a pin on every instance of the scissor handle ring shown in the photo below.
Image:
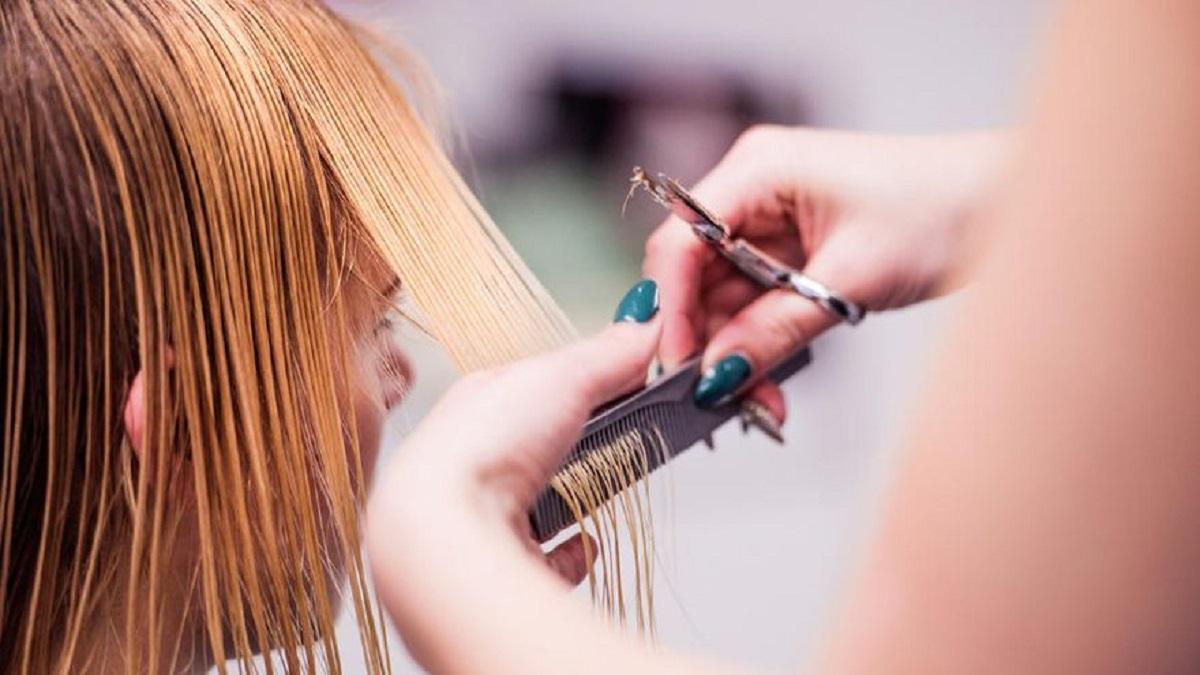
(829, 299)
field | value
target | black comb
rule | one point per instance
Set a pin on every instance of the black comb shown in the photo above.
(664, 418)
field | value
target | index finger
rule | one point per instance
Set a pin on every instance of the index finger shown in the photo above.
(676, 258)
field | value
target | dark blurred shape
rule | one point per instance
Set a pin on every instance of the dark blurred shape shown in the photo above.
(557, 185)
(607, 115)
(586, 118)
(592, 118)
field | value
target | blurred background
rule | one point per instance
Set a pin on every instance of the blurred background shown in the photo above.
(549, 106)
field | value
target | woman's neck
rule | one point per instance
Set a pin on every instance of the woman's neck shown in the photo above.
(175, 640)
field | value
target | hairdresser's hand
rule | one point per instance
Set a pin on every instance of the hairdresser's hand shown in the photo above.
(493, 441)
(885, 221)
(448, 535)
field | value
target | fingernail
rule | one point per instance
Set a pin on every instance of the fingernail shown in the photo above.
(640, 304)
(721, 380)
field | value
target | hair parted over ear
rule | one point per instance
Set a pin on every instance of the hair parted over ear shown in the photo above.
(133, 415)
(186, 187)
(203, 174)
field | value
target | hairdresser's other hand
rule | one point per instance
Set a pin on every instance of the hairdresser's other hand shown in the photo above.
(492, 442)
(448, 535)
(883, 220)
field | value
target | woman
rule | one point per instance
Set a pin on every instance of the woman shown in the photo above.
(206, 209)
(1045, 519)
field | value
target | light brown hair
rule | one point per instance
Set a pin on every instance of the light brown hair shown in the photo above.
(185, 189)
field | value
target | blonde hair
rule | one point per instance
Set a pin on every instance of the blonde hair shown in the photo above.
(185, 186)
(602, 493)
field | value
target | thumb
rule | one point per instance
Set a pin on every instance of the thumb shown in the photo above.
(611, 363)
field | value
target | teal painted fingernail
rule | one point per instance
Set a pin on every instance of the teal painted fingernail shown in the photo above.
(720, 380)
(640, 304)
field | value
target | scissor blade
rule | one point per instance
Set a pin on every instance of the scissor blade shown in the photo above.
(679, 201)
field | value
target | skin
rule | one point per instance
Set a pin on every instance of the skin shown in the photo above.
(1044, 516)
(467, 487)
(885, 220)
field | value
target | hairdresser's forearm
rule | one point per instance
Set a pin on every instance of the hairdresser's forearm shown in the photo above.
(467, 597)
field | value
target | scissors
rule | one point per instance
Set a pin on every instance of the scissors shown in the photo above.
(754, 263)
(663, 417)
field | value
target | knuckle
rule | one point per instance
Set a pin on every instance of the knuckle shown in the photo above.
(583, 387)
(579, 398)
(786, 329)
(757, 136)
(787, 324)
(471, 383)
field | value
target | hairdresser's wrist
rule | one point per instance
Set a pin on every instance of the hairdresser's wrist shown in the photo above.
(965, 170)
(436, 527)
(429, 495)
(925, 196)
(468, 596)
(465, 597)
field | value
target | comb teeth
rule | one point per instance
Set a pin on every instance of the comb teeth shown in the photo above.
(662, 420)
(644, 431)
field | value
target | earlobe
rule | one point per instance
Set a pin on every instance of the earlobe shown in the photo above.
(135, 413)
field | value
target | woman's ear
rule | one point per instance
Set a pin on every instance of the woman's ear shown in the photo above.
(134, 416)
(135, 413)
